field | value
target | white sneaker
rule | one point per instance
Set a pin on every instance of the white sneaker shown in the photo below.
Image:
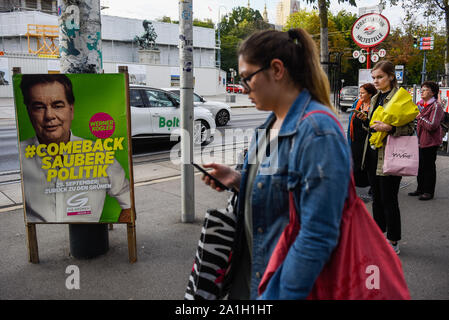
(395, 247)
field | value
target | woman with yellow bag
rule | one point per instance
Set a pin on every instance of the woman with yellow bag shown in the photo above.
(386, 119)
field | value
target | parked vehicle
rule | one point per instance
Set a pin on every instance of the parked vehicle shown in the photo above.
(234, 88)
(155, 113)
(347, 97)
(220, 110)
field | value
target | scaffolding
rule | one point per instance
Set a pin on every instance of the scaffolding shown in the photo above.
(45, 36)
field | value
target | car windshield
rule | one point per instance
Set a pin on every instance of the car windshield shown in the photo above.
(196, 98)
(177, 93)
(352, 91)
(159, 99)
(176, 97)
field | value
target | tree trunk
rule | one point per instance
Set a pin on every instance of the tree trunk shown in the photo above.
(324, 36)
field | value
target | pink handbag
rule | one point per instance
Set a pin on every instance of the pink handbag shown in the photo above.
(401, 156)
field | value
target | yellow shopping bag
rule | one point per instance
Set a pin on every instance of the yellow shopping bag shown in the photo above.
(399, 111)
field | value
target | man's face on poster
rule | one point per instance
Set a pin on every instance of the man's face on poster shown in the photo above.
(50, 113)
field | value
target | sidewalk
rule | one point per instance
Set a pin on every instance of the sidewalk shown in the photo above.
(166, 246)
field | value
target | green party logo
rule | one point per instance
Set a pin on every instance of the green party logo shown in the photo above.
(168, 123)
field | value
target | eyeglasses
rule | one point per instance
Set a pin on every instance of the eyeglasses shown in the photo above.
(244, 81)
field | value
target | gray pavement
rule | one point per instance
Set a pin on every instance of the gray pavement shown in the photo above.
(166, 246)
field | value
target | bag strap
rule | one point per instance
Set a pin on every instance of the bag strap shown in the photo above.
(326, 113)
(352, 194)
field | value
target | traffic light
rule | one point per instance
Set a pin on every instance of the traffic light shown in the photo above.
(415, 42)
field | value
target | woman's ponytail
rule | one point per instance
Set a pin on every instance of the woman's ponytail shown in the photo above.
(296, 49)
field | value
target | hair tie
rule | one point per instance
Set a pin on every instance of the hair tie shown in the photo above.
(293, 36)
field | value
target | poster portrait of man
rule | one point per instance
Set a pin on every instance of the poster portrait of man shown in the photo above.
(73, 147)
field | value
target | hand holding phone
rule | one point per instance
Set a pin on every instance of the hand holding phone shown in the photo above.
(218, 183)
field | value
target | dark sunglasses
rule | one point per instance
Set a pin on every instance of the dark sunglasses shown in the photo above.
(244, 81)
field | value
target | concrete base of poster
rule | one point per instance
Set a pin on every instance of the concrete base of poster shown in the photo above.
(88, 241)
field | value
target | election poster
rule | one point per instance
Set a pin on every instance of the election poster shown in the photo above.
(75, 157)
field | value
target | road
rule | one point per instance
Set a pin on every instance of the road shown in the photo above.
(243, 118)
(9, 156)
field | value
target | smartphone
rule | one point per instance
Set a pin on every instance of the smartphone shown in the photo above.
(218, 183)
(356, 111)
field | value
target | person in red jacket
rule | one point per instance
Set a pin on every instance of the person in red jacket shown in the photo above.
(430, 136)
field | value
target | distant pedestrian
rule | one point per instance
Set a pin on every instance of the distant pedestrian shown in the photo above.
(430, 137)
(358, 131)
(385, 187)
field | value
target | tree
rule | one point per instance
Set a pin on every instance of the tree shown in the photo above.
(166, 19)
(234, 27)
(207, 23)
(339, 37)
(242, 21)
(438, 9)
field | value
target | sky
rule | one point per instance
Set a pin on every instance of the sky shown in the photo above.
(211, 9)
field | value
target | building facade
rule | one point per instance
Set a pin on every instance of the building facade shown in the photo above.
(284, 9)
(118, 48)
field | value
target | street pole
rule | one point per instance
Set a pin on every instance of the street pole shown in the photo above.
(80, 51)
(423, 73)
(368, 58)
(187, 116)
(80, 36)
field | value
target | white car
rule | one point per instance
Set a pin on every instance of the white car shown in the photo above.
(220, 110)
(155, 113)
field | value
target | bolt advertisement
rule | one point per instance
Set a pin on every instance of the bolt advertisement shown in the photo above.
(74, 147)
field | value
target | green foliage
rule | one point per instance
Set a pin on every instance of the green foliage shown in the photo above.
(166, 19)
(436, 11)
(351, 2)
(339, 34)
(229, 45)
(207, 23)
(241, 22)
(308, 20)
(235, 27)
(400, 51)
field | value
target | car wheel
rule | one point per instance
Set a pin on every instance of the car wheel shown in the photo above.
(201, 132)
(222, 118)
(343, 108)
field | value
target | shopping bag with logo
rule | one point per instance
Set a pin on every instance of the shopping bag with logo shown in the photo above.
(213, 256)
(362, 266)
(401, 156)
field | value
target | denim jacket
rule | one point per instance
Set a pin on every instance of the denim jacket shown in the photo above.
(312, 159)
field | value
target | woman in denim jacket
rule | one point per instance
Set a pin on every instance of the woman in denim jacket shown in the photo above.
(281, 72)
